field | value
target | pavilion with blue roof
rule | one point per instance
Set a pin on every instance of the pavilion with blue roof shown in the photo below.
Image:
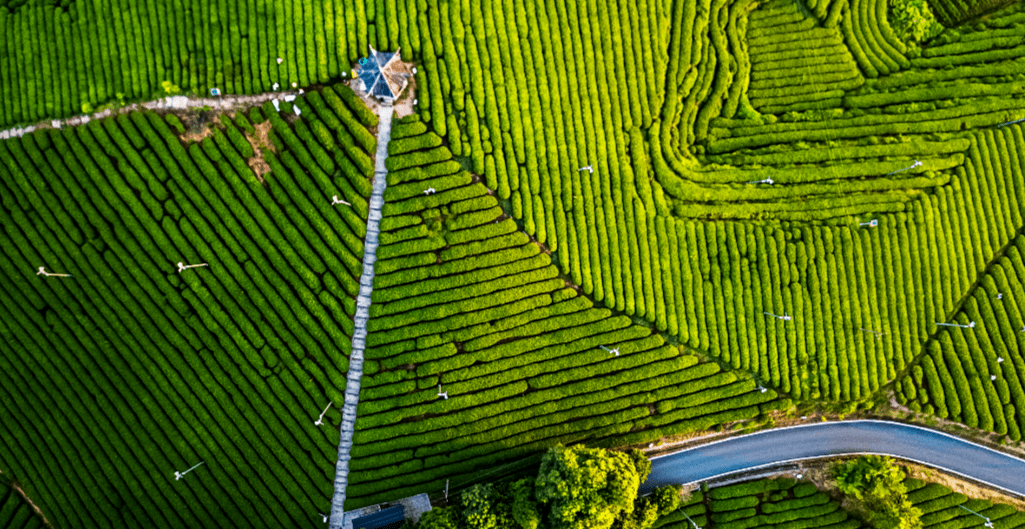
(383, 75)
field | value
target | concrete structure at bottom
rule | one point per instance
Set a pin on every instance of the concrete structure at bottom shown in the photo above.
(412, 508)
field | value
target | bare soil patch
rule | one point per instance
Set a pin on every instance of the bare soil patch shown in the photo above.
(198, 125)
(259, 140)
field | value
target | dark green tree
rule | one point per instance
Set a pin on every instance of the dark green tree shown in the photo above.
(588, 488)
(441, 518)
(878, 485)
(524, 507)
(478, 507)
(649, 509)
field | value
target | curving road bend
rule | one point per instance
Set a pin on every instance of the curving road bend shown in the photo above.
(813, 441)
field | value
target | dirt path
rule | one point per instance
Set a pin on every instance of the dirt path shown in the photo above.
(223, 103)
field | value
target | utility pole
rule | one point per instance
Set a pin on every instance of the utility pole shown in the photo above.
(42, 272)
(784, 317)
(179, 475)
(971, 325)
(912, 166)
(988, 523)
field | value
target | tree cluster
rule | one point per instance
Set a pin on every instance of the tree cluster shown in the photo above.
(878, 485)
(575, 488)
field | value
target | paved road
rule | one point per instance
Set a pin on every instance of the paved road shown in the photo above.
(819, 440)
(366, 283)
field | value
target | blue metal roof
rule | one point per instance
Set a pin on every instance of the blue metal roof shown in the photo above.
(371, 76)
(389, 518)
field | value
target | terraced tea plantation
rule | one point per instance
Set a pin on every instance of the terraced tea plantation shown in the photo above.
(777, 503)
(605, 222)
(784, 503)
(130, 370)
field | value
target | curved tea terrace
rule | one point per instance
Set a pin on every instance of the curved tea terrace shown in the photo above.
(815, 441)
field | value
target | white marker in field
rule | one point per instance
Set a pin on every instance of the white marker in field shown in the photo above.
(587, 168)
(289, 98)
(277, 105)
(766, 181)
(42, 271)
(429, 190)
(611, 351)
(335, 201)
(297, 110)
(179, 475)
(971, 325)
(440, 394)
(215, 91)
(871, 224)
(784, 317)
(912, 166)
(1000, 296)
(294, 84)
(320, 420)
(182, 266)
(275, 87)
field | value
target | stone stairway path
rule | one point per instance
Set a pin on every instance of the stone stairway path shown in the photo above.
(366, 281)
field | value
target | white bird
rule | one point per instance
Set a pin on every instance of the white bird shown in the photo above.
(280, 60)
(275, 86)
(429, 190)
(324, 516)
(440, 394)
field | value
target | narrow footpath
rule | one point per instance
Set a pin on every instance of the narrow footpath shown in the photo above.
(366, 285)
